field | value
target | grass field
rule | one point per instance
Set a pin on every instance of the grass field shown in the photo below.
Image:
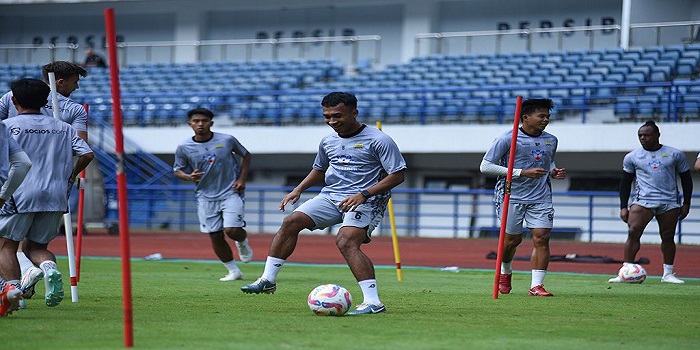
(182, 305)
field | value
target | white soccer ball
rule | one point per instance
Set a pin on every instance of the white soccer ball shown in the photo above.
(632, 273)
(329, 300)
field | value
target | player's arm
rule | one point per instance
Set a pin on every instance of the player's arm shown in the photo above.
(557, 173)
(239, 185)
(180, 164)
(625, 190)
(19, 167)
(386, 184)
(194, 176)
(490, 168)
(314, 177)
(687, 184)
(697, 165)
(82, 163)
(83, 135)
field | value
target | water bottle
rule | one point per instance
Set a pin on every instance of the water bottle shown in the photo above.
(156, 256)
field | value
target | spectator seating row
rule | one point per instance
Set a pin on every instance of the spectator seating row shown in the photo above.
(638, 83)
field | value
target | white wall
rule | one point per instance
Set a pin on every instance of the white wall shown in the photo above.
(427, 139)
(395, 20)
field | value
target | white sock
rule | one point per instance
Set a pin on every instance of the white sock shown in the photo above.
(272, 268)
(47, 265)
(369, 292)
(231, 266)
(537, 277)
(668, 270)
(507, 268)
(24, 263)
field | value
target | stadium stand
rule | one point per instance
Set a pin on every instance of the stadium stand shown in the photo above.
(653, 82)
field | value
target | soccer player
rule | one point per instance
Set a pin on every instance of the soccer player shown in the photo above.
(360, 165)
(67, 75)
(654, 168)
(14, 166)
(37, 207)
(209, 159)
(531, 190)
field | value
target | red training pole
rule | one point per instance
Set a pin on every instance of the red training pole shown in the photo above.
(121, 178)
(81, 209)
(506, 196)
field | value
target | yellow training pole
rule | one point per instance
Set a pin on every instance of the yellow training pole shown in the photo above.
(394, 238)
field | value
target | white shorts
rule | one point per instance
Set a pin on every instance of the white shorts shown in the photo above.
(39, 227)
(539, 215)
(324, 212)
(657, 208)
(214, 215)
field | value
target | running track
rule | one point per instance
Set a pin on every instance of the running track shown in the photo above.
(430, 252)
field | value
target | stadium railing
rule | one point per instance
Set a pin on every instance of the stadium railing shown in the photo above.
(582, 215)
(491, 41)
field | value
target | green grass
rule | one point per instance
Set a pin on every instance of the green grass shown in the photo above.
(182, 305)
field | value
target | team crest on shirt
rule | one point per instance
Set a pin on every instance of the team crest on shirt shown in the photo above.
(537, 153)
(655, 164)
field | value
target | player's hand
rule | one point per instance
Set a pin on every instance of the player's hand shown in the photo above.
(624, 214)
(559, 173)
(534, 173)
(196, 175)
(291, 198)
(239, 186)
(352, 202)
(685, 209)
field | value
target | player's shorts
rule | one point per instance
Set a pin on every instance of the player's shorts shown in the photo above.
(656, 207)
(324, 213)
(539, 215)
(39, 227)
(214, 215)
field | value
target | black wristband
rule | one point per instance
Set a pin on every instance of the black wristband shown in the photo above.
(365, 193)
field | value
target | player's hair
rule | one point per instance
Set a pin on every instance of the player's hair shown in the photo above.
(531, 105)
(651, 124)
(200, 110)
(62, 70)
(30, 93)
(335, 98)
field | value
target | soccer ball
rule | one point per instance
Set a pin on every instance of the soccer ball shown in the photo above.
(632, 273)
(329, 300)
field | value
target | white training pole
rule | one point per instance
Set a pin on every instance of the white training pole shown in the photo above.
(66, 217)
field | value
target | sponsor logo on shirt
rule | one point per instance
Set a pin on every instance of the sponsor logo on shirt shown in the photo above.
(18, 130)
(655, 165)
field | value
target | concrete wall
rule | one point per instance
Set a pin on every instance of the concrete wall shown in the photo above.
(397, 22)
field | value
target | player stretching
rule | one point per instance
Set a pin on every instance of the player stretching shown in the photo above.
(209, 160)
(360, 165)
(653, 168)
(531, 191)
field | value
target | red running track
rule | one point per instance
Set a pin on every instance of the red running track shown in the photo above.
(430, 252)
